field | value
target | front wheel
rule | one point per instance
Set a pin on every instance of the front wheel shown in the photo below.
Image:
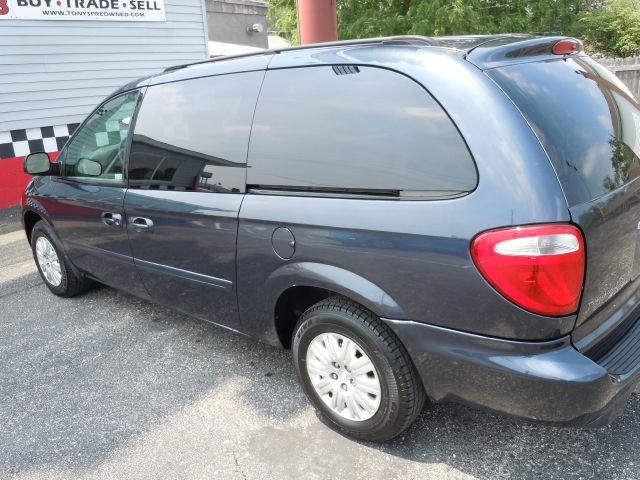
(355, 371)
(53, 265)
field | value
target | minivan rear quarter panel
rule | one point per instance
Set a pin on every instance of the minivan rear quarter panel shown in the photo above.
(392, 243)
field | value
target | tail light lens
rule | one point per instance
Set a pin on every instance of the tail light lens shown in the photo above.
(540, 268)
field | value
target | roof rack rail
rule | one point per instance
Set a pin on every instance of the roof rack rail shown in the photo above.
(395, 40)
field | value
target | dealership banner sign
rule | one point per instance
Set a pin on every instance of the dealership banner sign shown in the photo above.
(120, 10)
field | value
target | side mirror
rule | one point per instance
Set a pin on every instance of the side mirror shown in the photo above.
(88, 168)
(37, 164)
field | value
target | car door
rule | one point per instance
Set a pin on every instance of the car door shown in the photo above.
(186, 184)
(87, 209)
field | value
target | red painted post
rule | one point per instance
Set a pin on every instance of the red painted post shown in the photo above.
(317, 21)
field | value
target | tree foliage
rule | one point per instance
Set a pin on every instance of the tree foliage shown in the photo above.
(614, 28)
(611, 26)
(283, 19)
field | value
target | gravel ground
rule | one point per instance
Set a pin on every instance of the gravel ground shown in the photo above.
(107, 386)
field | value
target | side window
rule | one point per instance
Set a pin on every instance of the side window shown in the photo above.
(192, 135)
(98, 148)
(359, 129)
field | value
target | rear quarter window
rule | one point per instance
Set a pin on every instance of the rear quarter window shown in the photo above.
(585, 119)
(355, 129)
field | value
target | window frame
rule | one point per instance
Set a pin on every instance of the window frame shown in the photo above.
(127, 147)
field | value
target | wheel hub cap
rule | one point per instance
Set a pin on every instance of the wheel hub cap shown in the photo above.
(343, 376)
(48, 261)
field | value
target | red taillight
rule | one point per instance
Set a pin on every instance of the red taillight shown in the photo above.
(566, 46)
(540, 268)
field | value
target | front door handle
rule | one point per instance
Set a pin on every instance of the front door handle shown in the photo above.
(111, 219)
(141, 224)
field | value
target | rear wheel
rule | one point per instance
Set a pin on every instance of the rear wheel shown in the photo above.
(53, 265)
(355, 371)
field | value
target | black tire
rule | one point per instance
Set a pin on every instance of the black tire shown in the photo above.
(402, 393)
(72, 282)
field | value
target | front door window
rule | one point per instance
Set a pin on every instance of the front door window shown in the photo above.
(98, 149)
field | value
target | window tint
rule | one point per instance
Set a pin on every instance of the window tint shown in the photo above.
(587, 123)
(356, 129)
(98, 148)
(193, 135)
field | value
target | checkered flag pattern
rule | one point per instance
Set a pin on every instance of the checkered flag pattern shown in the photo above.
(113, 136)
(19, 143)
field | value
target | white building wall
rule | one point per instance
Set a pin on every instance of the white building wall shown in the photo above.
(56, 72)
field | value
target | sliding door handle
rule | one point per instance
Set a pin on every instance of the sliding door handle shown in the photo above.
(141, 224)
(111, 219)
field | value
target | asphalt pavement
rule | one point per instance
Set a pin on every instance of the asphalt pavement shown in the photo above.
(107, 386)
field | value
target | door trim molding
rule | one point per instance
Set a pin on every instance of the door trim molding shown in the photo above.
(216, 282)
(91, 249)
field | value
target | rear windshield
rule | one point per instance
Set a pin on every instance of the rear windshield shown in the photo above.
(587, 121)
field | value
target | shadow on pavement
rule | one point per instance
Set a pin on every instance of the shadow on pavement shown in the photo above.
(490, 446)
(86, 378)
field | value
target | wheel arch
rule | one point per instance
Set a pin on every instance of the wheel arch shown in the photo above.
(298, 286)
(29, 219)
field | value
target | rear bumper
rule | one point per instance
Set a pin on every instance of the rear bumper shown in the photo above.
(542, 381)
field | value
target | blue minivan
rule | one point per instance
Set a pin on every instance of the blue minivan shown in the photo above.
(417, 219)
